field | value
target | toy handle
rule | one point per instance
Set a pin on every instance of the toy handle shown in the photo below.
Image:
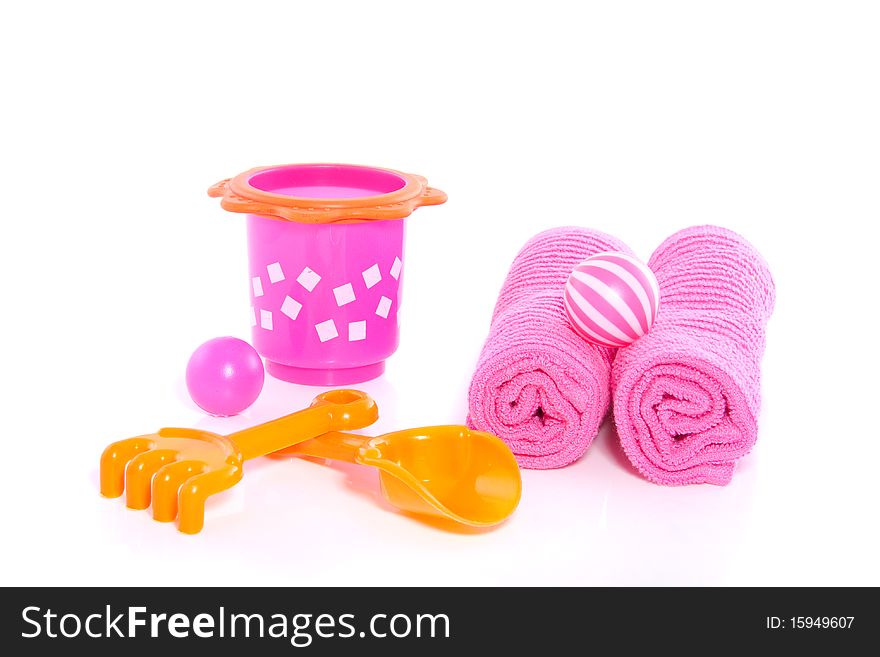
(232, 202)
(333, 445)
(431, 196)
(218, 189)
(330, 411)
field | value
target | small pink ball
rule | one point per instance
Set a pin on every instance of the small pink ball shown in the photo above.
(612, 299)
(224, 376)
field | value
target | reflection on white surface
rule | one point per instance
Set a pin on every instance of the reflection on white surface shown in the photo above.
(792, 501)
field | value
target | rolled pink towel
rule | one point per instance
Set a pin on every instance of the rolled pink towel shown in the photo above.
(538, 385)
(687, 394)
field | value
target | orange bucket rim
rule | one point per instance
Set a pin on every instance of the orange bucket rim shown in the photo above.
(240, 194)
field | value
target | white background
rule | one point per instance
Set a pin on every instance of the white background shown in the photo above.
(634, 118)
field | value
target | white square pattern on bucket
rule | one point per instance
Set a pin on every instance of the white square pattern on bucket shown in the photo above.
(308, 279)
(357, 331)
(326, 330)
(291, 307)
(276, 274)
(371, 276)
(383, 307)
(344, 294)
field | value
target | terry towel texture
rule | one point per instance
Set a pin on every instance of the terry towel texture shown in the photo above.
(686, 396)
(539, 386)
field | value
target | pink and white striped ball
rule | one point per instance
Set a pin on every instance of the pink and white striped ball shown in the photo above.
(612, 299)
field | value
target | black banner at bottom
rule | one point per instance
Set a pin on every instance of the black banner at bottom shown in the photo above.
(432, 621)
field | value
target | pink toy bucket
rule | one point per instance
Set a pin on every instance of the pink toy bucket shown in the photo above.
(326, 258)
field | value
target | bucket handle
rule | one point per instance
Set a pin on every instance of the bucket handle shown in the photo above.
(232, 202)
(430, 195)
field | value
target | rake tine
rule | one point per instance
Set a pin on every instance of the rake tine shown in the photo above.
(166, 484)
(113, 462)
(139, 472)
(194, 492)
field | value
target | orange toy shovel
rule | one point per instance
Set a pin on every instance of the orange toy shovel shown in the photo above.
(451, 471)
(180, 468)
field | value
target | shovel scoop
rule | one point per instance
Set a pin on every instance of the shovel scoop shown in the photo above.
(452, 472)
